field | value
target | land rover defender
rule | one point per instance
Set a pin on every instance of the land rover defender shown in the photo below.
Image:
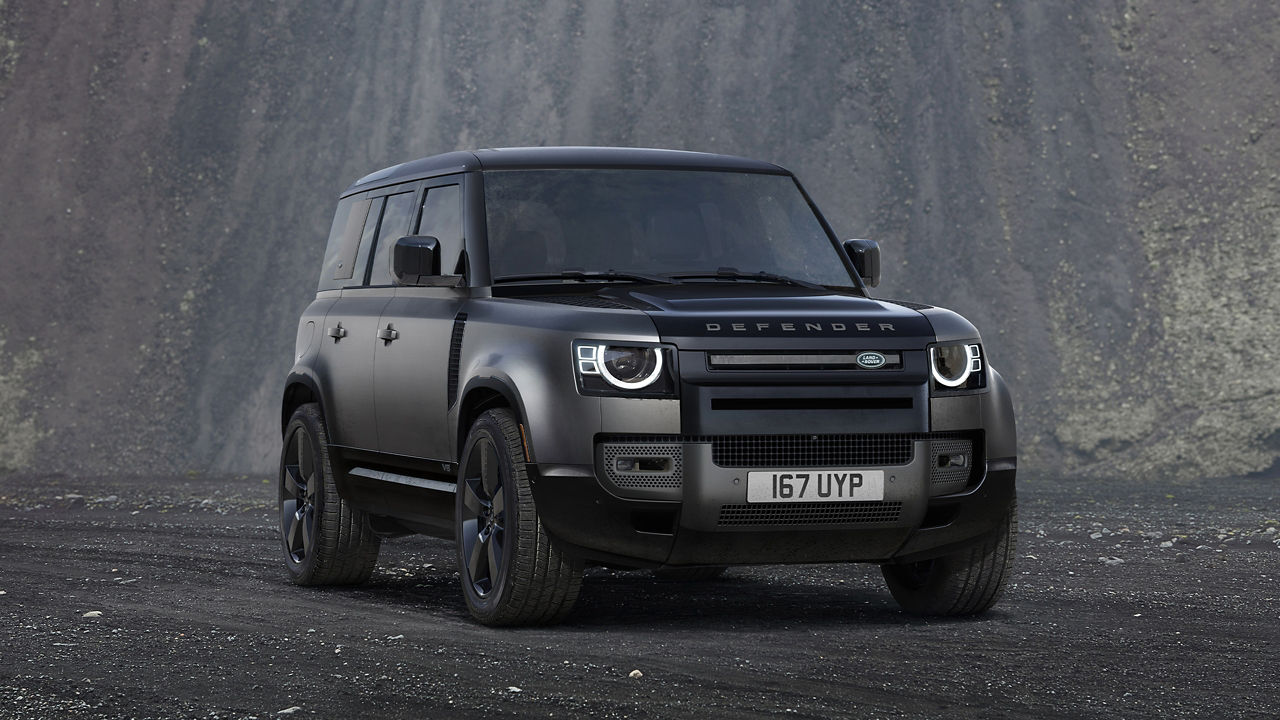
(560, 357)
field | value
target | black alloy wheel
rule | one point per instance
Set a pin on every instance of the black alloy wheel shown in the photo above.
(511, 570)
(327, 541)
(298, 495)
(483, 517)
(966, 582)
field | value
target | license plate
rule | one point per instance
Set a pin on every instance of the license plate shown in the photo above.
(814, 485)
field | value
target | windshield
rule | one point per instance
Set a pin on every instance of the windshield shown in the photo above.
(655, 221)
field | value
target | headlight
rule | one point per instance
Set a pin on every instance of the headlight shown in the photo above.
(638, 369)
(957, 367)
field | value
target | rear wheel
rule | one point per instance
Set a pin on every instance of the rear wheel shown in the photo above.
(968, 582)
(326, 540)
(511, 571)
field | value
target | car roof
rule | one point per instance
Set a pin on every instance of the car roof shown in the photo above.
(530, 158)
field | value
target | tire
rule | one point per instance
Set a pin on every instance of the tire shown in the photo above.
(512, 572)
(689, 574)
(968, 582)
(326, 540)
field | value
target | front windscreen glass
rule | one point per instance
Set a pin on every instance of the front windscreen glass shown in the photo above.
(655, 221)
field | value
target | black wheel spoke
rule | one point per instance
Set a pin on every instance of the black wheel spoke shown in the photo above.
(477, 557)
(489, 470)
(494, 553)
(293, 537)
(471, 499)
(287, 529)
(499, 506)
(293, 483)
(305, 463)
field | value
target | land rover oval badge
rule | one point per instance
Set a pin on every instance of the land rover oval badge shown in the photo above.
(870, 360)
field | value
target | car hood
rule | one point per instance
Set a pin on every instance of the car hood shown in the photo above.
(712, 315)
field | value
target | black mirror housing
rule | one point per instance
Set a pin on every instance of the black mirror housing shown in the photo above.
(415, 260)
(865, 255)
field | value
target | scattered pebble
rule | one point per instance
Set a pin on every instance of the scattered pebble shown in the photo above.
(514, 689)
(635, 674)
(1111, 561)
(1095, 536)
(2, 592)
(395, 637)
(1166, 544)
(289, 710)
(92, 614)
(1180, 557)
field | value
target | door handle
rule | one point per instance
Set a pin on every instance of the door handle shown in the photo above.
(388, 334)
(337, 333)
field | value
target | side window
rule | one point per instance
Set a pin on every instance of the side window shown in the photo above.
(442, 220)
(366, 240)
(345, 258)
(344, 232)
(396, 216)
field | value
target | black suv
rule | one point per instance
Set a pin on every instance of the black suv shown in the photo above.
(634, 358)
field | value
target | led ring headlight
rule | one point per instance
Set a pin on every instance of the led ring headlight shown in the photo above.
(952, 365)
(624, 367)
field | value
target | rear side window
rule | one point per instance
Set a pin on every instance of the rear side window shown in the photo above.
(396, 216)
(442, 220)
(344, 241)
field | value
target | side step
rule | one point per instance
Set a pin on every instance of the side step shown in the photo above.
(405, 480)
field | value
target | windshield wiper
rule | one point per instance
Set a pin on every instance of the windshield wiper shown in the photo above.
(588, 276)
(728, 273)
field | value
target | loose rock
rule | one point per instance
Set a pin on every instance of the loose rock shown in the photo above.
(93, 614)
(635, 674)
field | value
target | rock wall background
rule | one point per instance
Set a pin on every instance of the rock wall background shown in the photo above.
(1094, 184)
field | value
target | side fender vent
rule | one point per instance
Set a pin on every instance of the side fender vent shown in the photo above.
(455, 355)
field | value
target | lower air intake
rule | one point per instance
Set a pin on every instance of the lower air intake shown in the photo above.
(809, 513)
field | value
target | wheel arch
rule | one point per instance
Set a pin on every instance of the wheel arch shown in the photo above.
(299, 388)
(479, 395)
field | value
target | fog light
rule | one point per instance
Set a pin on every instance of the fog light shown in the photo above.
(956, 460)
(643, 464)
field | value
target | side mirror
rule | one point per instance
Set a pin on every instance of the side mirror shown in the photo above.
(865, 255)
(415, 259)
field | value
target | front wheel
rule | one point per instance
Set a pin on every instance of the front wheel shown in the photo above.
(511, 571)
(968, 582)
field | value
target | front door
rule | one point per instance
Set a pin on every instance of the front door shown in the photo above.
(412, 360)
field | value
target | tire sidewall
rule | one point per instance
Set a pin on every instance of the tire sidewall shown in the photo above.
(487, 607)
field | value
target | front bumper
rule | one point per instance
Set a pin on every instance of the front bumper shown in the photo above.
(693, 510)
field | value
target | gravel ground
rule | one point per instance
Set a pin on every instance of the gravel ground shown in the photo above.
(165, 597)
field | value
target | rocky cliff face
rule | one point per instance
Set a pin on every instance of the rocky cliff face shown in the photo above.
(1095, 186)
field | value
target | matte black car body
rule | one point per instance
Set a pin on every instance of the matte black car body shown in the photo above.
(401, 373)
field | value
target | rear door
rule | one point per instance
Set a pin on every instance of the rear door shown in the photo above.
(412, 360)
(351, 327)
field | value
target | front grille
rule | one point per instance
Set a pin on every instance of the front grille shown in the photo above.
(638, 480)
(809, 513)
(812, 450)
